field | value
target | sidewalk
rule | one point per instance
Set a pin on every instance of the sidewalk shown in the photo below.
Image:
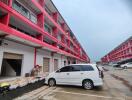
(20, 81)
(22, 86)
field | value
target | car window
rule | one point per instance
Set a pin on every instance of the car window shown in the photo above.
(65, 69)
(76, 68)
(130, 62)
(87, 68)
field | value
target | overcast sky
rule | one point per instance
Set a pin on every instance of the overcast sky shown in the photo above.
(99, 25)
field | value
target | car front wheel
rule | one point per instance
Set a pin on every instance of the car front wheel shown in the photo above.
(88, 84)
(51, 82)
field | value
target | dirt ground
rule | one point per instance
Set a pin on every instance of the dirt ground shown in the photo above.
(113, 89)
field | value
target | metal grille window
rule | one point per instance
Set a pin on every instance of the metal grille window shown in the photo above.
(33, 18)
(59, 37)
(71, 46)
(48, 10)
(25, 12)
(18, 7)
(47, 28)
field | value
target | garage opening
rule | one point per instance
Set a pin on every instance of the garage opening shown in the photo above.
(46, 64)
(11, 65)
(69, 62)
(74, 62)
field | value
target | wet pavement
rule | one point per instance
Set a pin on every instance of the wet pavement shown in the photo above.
(113, 89)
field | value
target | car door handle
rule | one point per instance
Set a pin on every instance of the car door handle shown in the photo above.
(81, 73)
(68, 73)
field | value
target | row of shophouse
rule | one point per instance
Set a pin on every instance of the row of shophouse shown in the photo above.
(122, 53)
(33, 32)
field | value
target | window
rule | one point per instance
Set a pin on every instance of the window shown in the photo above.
(47, 28)
(47, 10)
(87, 68)
(71, 46)
(33, 18)
(130, 62)
(18, 7)
(25, 12)
(76, 68)
(65, 69)
(59, 37)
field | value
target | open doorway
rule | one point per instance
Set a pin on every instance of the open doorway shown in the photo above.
(11, 65)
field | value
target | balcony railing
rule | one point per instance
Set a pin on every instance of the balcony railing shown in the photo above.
(14, 27)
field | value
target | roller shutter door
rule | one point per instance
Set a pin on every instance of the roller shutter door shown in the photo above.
(46, 64)
(55, 64)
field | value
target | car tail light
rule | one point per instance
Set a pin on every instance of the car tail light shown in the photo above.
(101, 74)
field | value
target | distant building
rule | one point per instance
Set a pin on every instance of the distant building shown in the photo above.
(120, 53)
(33, 32)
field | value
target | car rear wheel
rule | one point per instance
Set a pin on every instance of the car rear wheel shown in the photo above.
(125, 67)
(51, 82)
(88, 84)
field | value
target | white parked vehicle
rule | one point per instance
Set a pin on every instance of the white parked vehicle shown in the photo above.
(127, 65)
(86, 75)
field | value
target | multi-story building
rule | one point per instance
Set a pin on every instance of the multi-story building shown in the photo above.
(120, 53)
(33, 32)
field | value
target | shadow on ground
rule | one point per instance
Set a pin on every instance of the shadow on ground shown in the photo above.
(99, 88)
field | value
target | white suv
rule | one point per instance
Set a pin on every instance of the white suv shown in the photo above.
(86, 75)
(127, 65)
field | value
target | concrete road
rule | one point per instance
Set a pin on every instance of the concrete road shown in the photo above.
(113, 89)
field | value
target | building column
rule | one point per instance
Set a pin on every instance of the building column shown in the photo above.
(41, 2)
(68, 43)
(62, 38)
(61, 60)
(63, 26)
(35, 56)
(52, 61)
(41, 16)
(40, 37)
(5, 19)
(55, 16)
(55, 34)
(1, 59)
(10, 3)
(40, 20)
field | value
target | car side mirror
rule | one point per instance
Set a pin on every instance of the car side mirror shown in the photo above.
(58, 71)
